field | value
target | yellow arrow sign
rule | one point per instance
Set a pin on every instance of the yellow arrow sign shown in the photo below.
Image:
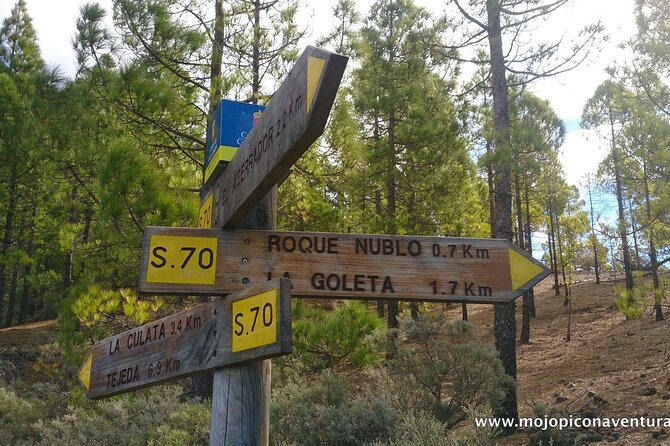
(85, 372)
(293, 119)
(314, 70)
(522, 269)
(361, 266)
(252, 324)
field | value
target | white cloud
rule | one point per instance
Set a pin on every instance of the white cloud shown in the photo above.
(55, 23)
(568, 92)
(581, 153)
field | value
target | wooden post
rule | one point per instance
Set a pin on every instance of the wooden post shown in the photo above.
(292, 121)
(241, 395)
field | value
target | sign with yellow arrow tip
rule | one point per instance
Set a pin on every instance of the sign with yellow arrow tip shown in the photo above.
(327, 265)
(293, 119)
(246, 326)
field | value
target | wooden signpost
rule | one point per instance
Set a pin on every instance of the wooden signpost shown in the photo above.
(248, 325)
(293, 119)
(326, 265)
(254, 322)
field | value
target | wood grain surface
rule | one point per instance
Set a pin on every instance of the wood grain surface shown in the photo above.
(293, 119)
(360, 266)
(185, 343)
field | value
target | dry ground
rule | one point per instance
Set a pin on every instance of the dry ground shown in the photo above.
(18, 351)
(612, 367)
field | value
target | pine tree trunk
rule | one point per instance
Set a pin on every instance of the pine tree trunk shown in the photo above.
(652, 243)
(414, 310)
(256, 62)
(380, 308)
(215, 78)
(8, 237)
(392, 305)
(392, 161)
(519, 213)
(504, 327)
(69, 255)
(11, 302)
(521, 237)
(217, 59)
(411, 228)
(489, 181)
(505, 316)
(557, 287)
(627, 266)
(378, 207)
(560, 256)
(594, 240)
(633, 226)
(26, 295)
(529, 245)
(525, 320)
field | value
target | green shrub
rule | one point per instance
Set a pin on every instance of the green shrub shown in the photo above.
(323, 339)
(442, 368)
(50, 400)
(139, 418)
(328, 412)
(8, 370)
(551, 436)
(21, 406)
(16, 418)
(418, 430)
(189, 425)
(423, 430)
(630, 302)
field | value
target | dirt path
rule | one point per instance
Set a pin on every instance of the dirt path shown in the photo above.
(18, 350)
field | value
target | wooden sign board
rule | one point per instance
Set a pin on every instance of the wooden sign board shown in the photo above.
(248, 325)
(324, 265)
(293, 119)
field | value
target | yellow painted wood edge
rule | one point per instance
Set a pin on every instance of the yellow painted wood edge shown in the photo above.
(85, 372)
(315, 67)
(522, 269)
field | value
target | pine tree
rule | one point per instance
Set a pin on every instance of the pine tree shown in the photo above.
(416, 162)
(644, 143)
(607, 107)
(21, 67)
(487, 23)
(536, 132)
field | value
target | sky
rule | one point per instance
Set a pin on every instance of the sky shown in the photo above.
(567, 93)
